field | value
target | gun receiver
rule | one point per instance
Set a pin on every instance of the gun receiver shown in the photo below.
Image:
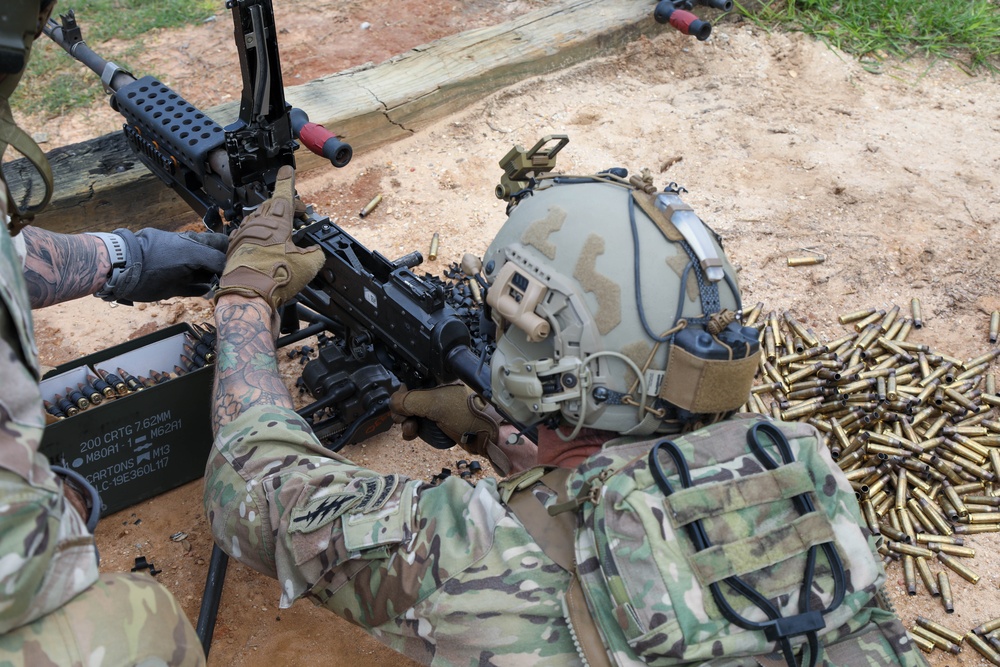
(388, 325)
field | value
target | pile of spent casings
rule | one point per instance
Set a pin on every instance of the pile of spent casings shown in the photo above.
(914, 431)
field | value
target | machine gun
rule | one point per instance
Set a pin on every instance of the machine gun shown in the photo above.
(388, 326)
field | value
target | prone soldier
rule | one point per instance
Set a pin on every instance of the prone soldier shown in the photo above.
(648, 526)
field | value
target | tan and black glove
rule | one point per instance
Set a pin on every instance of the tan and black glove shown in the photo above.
(472, 423)
(262, 259)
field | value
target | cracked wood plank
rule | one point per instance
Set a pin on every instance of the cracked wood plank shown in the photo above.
(101, 186)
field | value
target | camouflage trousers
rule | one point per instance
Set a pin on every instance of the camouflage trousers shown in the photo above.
(123, 619)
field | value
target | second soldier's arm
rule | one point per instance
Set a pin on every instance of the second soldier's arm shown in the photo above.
(122, 266)
(61, 267)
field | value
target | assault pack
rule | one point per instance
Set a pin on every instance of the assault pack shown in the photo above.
(738, 544)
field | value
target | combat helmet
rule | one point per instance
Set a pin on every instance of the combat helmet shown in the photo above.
(21, 22)
(616, 307)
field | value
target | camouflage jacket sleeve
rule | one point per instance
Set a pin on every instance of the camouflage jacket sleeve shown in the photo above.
(442, 573)
(46, 554)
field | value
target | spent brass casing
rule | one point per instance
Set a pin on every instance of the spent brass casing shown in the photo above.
(944, 586)
(893, 533)
(370, 206)
(918, 320)
(952, 550)
(987, 627)
(874, 316)
(975, 529)
(924, 570)
(805, 260)
(994, 325)
(984, 648)
(953, 498)
(909, 549)
(476, 291)
(856, 316)
(433, 252)
(942, 643)
(927, 538)
(770, 347)
(958, 567)
(750, 318)
(924, 645)
(910, 574)
(867, 337)
(939, 629)
(939, 372)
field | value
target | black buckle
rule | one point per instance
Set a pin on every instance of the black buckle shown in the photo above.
(791, 626)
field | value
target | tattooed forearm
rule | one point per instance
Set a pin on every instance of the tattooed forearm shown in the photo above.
(60, 267)
(246, 371)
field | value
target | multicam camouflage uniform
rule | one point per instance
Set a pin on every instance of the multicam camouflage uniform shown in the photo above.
(446, 574)
(55, 609)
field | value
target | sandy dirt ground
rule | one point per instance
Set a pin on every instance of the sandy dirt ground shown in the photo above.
(785, 146)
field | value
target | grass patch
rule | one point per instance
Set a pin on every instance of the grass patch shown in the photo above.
(55, 83)
(966, 32)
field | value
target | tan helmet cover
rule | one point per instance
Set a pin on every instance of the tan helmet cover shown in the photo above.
(571, 342)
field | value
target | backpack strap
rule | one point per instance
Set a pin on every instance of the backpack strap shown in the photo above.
(555, 534)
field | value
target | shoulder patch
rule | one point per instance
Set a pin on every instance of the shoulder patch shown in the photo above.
(321, 510)
(374, 492)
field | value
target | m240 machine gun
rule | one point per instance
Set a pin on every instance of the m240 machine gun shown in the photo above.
(389, 326)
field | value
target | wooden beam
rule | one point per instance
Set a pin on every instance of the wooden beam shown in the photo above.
(101, 186)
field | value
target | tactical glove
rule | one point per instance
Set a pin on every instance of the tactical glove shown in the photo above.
(263, 261)
(153, 264)
(463, 416)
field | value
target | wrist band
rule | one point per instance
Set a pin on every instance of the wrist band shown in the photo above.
(119, 257)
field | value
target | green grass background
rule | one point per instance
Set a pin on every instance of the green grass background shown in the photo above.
(964, 32)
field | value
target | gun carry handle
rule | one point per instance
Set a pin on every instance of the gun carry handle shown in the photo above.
(320, 140)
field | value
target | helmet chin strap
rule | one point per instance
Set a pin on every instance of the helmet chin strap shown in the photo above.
(12, 135)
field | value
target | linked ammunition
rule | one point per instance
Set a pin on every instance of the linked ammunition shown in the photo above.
(53, 410)
(102, 386)
(66, 406)
(119, 385)
(77, 398)
(158, 377)
(130, 381)
(91, 393)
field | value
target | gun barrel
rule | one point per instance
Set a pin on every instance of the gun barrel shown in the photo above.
(67, 35)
